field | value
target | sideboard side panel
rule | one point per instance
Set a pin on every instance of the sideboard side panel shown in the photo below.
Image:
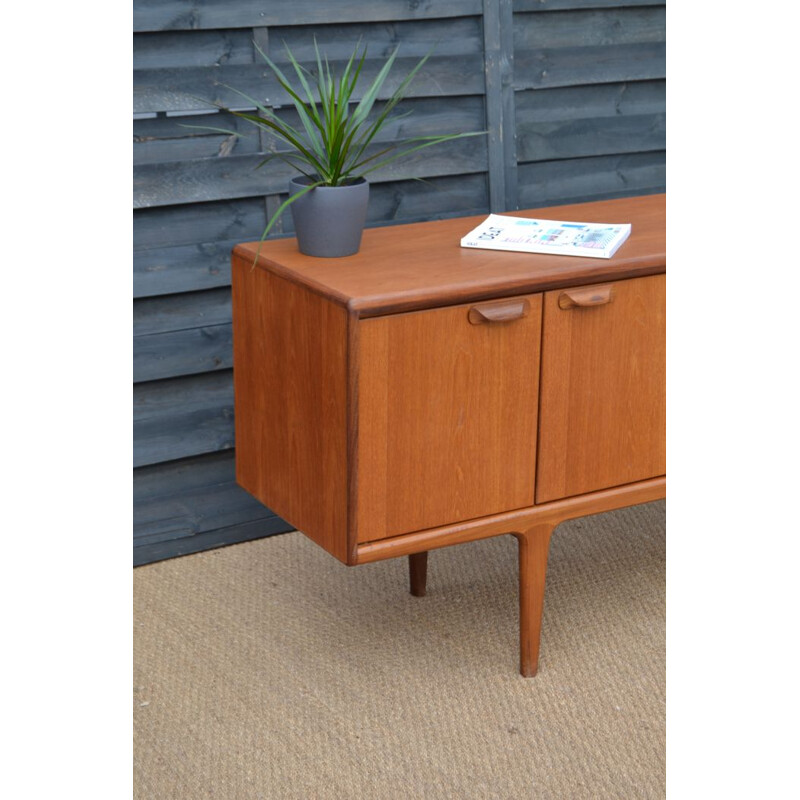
(290, 395)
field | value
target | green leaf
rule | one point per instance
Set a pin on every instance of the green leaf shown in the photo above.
(332, 143)
(427, 141)
(212, 128)
(307, 112)
(368, 99)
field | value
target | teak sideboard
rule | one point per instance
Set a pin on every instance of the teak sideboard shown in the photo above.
(419, 394)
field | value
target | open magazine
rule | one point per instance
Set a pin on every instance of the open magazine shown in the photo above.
(593, 239)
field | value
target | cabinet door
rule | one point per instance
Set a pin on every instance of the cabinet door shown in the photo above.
(447, 404)
(602, 413)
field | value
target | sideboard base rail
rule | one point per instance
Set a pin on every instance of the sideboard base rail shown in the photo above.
(532, 528)
(514, 522)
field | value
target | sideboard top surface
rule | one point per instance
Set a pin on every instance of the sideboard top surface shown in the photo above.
(422, 265)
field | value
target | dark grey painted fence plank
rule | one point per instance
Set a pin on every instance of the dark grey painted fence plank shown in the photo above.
(180, 312)
(165, 355)
(214, 48)
(157, 15)
(221, 221)
(564, 5)
(438, 198)
(547, 141)
(417, 38)
(499, 68)
(545, 68)
(186, 268)
(182, 139)
(182, 417)
(188, 497)
(207, 179)
(203, 88)
(179, 138)
(205, 265)
(606, 28)
(182, 335)
(149, 553)
(589, 102)
(192, 49)
(404, 202)
(584, 179)
(178, 477)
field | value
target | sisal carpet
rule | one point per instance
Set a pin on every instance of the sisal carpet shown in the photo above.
(270, 670)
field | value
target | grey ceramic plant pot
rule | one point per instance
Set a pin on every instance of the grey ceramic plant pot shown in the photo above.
(329, 220)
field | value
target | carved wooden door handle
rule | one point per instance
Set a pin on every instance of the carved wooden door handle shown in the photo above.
(586, 296)
(504, 311)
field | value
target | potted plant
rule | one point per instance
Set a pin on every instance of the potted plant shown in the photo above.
(333, 147)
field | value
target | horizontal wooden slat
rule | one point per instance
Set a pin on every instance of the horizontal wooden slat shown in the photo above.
(590, 102)
(182, 335)
(202, 88)
(414, 38)
(178, 234)
(214, 48)
(567, 5)
(171, 548)
(221, 221)
(179, 138)
(190, 497)
(185, 138)
(186, 268)
(608, 27)
(158, 15)
(545, 68)
(182, 417)
(579, 121)
(208, 179)
(435, 198)
(192, 49)
(165, 355)
(584, 179)
(181, 312)
(590, 137)
(205, 265)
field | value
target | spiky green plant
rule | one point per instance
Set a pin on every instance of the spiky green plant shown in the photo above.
(331, 145)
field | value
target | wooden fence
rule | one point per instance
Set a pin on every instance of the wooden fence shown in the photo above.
(571, 93)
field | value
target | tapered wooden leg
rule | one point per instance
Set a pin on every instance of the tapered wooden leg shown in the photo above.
(418, 573)
(534, 545)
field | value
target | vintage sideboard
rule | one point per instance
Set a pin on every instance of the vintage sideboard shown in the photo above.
(419, 394)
